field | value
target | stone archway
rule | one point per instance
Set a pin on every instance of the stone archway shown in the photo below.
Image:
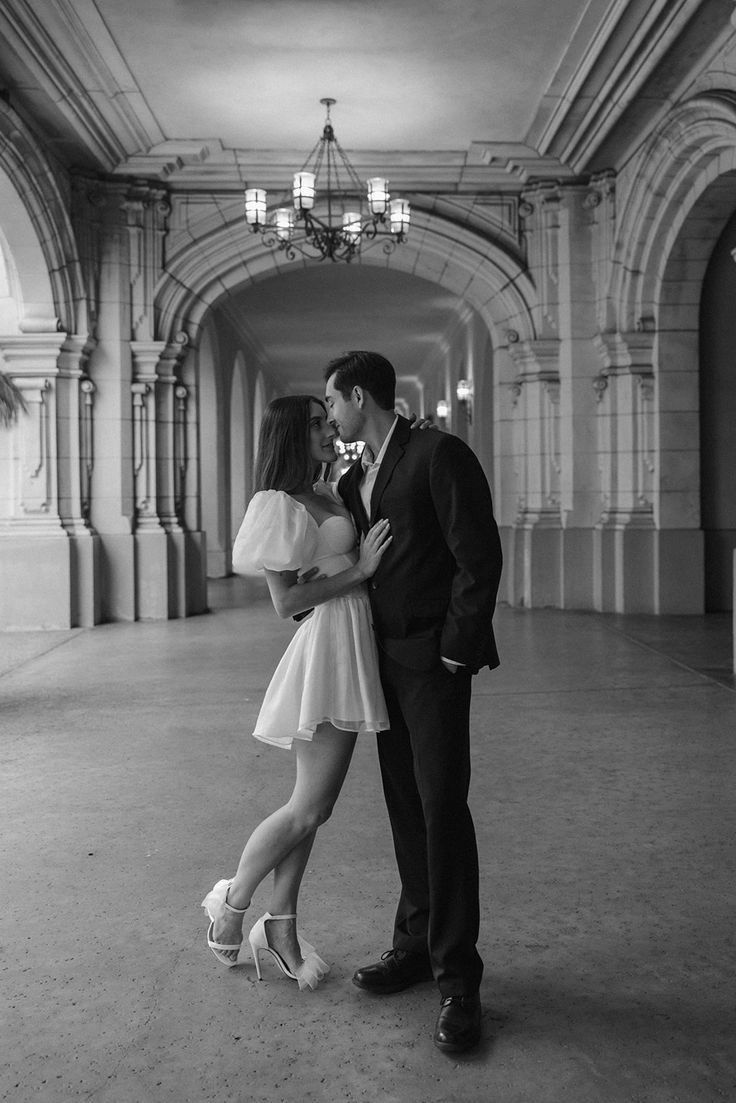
(483, 270)
(37, 225)
(48, 552)
(678, 197)
(717, 419)
(216, 261)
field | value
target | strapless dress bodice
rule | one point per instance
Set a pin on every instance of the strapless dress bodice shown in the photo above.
(337, 547)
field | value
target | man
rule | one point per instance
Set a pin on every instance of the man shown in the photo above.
(432, 599)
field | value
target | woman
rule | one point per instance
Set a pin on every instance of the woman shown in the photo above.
(326, 688)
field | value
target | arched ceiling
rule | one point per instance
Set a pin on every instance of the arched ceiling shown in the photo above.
(455, 101)
(307, 316)
(472, 94)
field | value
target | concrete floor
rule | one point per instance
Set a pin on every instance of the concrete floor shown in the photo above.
(605, 767)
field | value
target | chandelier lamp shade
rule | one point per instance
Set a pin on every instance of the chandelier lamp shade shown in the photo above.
(327, 218)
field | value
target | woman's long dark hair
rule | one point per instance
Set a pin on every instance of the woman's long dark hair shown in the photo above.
(284, 461)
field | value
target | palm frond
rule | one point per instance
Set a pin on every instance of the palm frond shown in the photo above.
(11, 400)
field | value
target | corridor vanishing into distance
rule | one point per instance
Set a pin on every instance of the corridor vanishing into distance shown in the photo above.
(604, 755)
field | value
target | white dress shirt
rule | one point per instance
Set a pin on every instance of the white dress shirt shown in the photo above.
(370, 468)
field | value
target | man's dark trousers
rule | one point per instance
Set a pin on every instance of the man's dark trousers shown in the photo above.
(425, 766)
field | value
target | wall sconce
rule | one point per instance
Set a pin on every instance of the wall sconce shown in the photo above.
(464, 392)
(443, 409)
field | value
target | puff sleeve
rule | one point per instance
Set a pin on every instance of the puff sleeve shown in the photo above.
(277, 534)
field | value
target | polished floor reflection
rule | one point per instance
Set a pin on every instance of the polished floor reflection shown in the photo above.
(604, 771)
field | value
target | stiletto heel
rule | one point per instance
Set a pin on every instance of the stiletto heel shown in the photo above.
(216, 905)
(308, 974)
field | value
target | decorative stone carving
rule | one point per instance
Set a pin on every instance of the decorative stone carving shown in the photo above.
(35, 490)
(146, 212)
(541, 232)
(536, 433)
(181, 458)
(626, 428)
(600, 386)
(599, 200)
(86, 442)
(142, 452)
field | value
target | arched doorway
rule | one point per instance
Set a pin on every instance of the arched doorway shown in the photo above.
(48, 552)
(718, 418)
(678, 198)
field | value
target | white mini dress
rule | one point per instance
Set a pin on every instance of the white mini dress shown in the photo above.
(329, 672)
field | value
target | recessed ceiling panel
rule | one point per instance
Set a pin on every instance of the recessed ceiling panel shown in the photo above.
(407, 74)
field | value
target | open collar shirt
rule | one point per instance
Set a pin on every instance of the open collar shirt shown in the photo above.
(370, 468)
(370, 474)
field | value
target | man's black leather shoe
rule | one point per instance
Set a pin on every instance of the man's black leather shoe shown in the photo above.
(396, 970)
(458, 1025)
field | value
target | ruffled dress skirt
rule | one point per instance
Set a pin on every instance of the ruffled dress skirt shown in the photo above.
(328, 673)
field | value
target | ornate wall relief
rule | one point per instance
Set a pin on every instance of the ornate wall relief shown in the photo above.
(34, 485)
(146, 212)
(625, 431)
(536, 432)
(600, 203)
(540, 211)
(144, 428)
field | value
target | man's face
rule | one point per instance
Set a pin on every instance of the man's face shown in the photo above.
(345, 414)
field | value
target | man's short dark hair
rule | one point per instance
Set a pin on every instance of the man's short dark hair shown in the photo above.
(369, 370)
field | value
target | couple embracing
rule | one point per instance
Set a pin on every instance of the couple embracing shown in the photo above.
(400, 620)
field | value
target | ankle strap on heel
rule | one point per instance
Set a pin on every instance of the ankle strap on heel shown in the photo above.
(230, 908)
(269, 916)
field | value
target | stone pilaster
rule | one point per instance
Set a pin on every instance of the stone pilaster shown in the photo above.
(48, 551)
(536, 435)
(624, 389)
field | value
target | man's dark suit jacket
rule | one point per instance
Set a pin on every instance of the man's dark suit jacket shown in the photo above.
(435, 589)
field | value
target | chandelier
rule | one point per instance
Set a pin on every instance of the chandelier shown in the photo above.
(342, 226)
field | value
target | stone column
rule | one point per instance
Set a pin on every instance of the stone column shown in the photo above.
(585, 262)
(624, 578)
(537, 450)
(47, 549)
(151, 546)
(165, 553)
(103, 250)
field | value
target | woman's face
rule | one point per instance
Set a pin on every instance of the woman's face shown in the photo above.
(321, 435)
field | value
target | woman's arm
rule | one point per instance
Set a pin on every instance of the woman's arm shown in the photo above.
(290, 597)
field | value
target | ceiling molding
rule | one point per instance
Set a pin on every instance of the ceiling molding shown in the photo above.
(68, 72)
(486, 168)
(603, 73)
(63, 69)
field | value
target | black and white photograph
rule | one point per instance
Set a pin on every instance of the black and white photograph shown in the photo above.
(367, 551)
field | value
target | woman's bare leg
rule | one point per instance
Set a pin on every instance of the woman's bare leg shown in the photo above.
(283, 841)
(287, 879)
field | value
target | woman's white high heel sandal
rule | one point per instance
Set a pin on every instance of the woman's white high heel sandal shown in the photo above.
(309, 973)
(216, 905)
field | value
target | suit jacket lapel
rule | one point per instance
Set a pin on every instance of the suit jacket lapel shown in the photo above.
(352, 496)
(394, 452)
